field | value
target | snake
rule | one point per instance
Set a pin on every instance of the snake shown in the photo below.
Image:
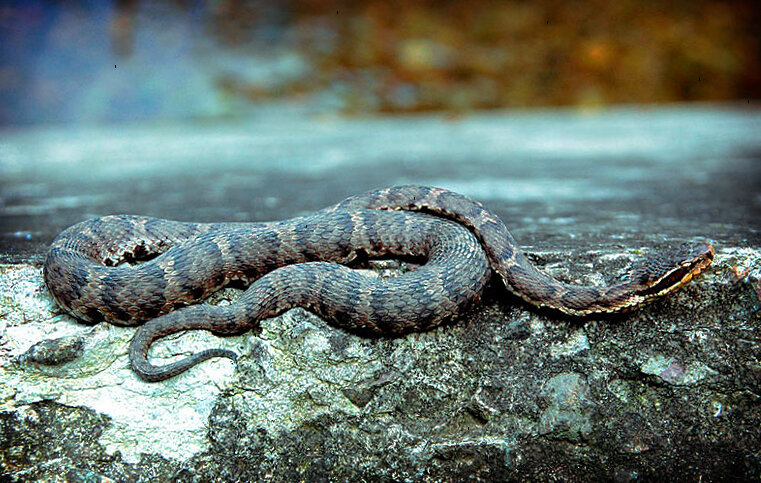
(152, 272)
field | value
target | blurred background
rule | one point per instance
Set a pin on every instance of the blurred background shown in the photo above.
(100, 62)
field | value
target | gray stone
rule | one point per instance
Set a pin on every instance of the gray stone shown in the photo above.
(53, 352)
(671, 391)
(307, 399)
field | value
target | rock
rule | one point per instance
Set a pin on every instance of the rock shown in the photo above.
(569, 408)
(53, 352)
(505, 393)
(669, 392)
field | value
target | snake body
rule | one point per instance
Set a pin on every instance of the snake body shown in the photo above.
(301, 263)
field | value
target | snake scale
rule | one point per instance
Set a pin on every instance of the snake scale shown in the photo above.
(301, 262)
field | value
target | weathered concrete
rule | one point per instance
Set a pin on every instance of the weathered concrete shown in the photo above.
(671, 391)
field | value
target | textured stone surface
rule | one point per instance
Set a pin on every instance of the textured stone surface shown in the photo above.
(672, 391)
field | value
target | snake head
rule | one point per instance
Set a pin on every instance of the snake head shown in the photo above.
(673, 268)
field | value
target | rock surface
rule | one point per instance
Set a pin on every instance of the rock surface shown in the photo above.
(671, 391)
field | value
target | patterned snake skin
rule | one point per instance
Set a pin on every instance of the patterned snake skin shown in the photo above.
(300, 263)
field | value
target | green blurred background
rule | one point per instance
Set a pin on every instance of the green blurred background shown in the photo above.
(101, 62)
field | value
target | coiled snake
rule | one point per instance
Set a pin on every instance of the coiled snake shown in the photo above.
(301, 262)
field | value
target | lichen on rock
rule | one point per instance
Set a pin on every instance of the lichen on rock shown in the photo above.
(506, 392)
